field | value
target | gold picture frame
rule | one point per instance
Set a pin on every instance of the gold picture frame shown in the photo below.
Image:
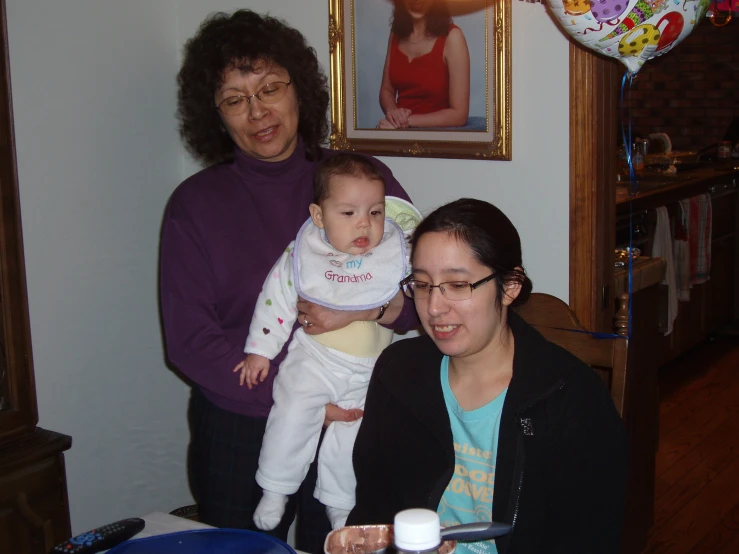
(356, 51)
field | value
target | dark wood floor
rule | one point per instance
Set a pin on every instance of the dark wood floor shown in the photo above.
(697, 476)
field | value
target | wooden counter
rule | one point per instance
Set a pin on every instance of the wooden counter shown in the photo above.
(713, 304)
(658, 190)
(645, 272)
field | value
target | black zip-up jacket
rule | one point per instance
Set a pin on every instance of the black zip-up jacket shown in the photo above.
(560, 473)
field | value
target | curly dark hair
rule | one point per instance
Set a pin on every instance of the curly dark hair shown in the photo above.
(438, 21)
(490, 235)
(241, 40)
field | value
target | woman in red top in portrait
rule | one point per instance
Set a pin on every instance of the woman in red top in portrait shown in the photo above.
(426, 79)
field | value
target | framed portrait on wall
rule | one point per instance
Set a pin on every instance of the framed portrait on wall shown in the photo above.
(422, 78)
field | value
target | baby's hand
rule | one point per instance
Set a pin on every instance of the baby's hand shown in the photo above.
(254, 370)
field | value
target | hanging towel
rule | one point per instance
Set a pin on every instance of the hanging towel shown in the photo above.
(681, 252)
(662, 248)
(700, 238)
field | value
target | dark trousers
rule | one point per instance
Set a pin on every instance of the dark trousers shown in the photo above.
(222, 461)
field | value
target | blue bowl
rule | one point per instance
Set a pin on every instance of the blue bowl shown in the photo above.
(205, 541)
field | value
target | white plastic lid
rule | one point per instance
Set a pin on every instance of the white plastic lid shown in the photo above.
(417, 529)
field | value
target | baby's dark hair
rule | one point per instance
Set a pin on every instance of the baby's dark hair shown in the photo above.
(489, 234)
(344, 163)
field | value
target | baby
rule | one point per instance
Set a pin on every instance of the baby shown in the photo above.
(347, 256)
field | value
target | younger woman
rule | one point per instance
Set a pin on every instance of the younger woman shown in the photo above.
(483, 419)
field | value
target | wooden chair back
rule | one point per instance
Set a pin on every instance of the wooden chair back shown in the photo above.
(608, 356)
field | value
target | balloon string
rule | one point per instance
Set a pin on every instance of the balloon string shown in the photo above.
(626, 133)
(631, 266)
(594, 334)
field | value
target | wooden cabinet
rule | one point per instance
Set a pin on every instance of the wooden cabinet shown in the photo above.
(715, 303)
(721, 295)
(34, 513)
(17, 392)
(642, 424)
(720, 289)
(712, 305)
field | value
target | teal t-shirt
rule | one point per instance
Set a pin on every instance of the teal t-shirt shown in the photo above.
(469, 495)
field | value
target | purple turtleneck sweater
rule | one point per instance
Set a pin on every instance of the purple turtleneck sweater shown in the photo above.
(223, 229)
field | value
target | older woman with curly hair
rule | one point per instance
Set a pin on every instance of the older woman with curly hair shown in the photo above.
(252, 106)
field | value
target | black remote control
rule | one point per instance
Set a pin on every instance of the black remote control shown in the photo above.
(101, 538)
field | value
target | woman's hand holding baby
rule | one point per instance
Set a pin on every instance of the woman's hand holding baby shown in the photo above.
(334, 413)
(323, 320)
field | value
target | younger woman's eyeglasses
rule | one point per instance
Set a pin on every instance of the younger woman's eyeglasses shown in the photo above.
(269, 94)
(451, 290)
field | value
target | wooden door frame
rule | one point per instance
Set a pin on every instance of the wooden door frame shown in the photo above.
(593, 136)
(15, 332)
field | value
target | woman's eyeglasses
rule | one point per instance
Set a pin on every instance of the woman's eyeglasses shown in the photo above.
(452, 290)
(269, 94)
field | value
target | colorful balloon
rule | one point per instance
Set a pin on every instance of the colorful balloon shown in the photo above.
(673, 26)
(632, 31)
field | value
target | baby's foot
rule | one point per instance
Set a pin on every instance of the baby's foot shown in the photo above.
(270, 510)
(337, 516)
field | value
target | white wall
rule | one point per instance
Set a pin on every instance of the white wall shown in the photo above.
(93, 85)
(533, 188)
